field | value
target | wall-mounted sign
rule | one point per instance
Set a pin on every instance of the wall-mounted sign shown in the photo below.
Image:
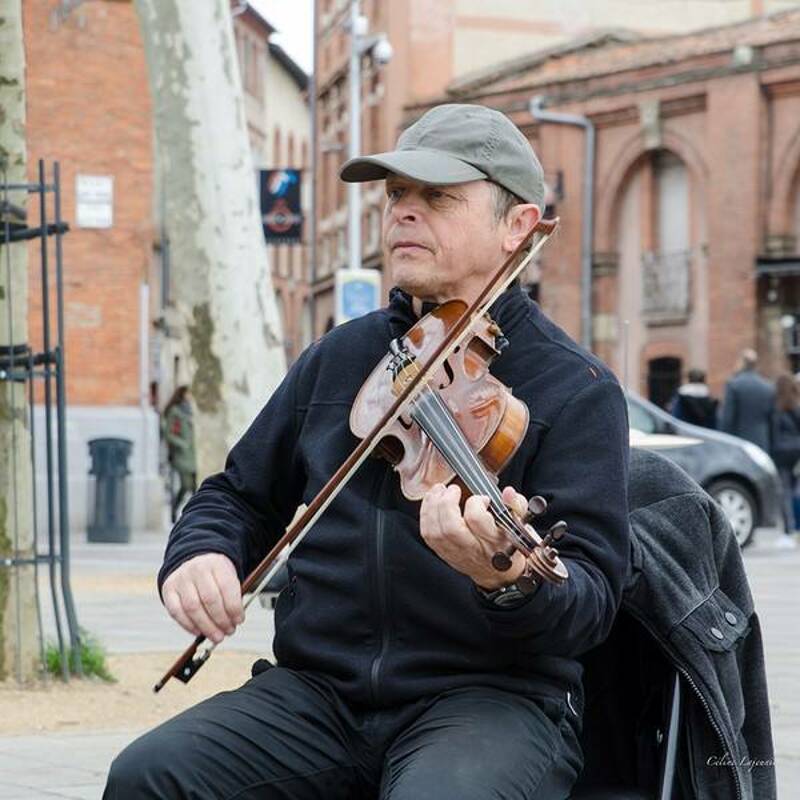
(281, 215)
(357, 291)
(94, 201)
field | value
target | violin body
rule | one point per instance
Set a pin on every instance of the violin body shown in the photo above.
(492, 420)
(463, 426)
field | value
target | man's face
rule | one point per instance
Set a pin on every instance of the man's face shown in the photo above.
(441, 242)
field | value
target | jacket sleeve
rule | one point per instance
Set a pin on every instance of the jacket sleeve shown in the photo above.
(581, 467)
(244, 510)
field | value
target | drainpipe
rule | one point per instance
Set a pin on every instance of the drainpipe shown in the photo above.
(536, 107)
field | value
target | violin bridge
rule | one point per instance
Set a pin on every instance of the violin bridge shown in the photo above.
(401, 359)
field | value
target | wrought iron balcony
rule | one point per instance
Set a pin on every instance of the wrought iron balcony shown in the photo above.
(666, 285)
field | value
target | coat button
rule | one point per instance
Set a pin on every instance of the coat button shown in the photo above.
(717, 633)
(730, 617)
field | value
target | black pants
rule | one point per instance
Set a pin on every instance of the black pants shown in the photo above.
(287, 735)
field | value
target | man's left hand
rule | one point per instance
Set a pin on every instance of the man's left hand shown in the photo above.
(468, 541)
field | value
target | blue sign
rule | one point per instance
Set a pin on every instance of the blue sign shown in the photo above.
(358, 298)
(358, 291)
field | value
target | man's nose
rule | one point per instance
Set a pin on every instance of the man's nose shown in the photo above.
(406, 209)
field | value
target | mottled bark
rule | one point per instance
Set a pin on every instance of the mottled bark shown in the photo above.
(222, 303)
(19, 633)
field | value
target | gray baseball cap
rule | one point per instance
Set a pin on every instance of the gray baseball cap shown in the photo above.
(456, 143)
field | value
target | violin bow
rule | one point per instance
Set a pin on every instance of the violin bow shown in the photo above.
(199, 651)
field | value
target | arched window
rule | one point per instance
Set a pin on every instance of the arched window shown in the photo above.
(666, 262)
(655, 254)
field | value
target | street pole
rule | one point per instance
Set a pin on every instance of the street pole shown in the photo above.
(312, 227)
(354, 149)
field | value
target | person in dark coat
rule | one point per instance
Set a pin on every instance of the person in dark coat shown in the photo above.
(408, 667)
(693, 402)
(749, 400)
(785, 447)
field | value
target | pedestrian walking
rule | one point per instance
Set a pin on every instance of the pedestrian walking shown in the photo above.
(179, 433)
(749, 403)
(693, 402)
(786, 448)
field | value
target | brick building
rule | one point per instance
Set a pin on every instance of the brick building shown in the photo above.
(279, 124)
(672, 113)
(696, 207)
(95, 118)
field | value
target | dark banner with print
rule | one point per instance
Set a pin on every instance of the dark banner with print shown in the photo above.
(281, 215)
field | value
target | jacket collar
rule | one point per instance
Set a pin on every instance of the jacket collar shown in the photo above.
(507, 311)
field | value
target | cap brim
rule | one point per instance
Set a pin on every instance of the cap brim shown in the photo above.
(425, 166)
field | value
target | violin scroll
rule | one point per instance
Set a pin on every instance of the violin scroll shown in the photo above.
(542, 561)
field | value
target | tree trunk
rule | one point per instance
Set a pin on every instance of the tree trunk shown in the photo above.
(19, 633)
(222, 304)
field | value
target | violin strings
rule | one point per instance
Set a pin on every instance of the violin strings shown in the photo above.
(450, 448)
(446, 416)
(465, 469)
(462, 459)
(460, 456)
(491, 489)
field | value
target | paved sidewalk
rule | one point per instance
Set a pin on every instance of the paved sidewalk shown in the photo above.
(68, 765)
(74, 765)
(775, 582)
(117, 600)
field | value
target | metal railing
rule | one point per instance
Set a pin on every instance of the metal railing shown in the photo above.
(666, 283)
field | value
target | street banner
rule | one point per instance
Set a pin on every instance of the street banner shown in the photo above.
(357, 292)
(281, 215)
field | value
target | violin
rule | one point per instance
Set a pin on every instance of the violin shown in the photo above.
(438, 372)
(463, 427)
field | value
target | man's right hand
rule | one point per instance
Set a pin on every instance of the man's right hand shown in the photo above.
(203, 595)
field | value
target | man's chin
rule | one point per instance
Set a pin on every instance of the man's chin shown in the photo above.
(415, 287)
(412, 279)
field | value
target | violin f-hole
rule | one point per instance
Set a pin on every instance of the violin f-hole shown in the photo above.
(450, 375)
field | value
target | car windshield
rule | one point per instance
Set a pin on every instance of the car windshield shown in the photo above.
(640, 419)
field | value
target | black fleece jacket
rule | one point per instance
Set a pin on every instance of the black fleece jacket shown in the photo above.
(368, 604)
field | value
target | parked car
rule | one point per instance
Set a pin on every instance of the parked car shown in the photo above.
(739, 475)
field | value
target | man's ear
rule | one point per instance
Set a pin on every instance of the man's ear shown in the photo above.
(521, 219)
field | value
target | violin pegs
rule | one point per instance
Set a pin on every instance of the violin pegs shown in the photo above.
(501, 560)
(537, 505)
(556, 532)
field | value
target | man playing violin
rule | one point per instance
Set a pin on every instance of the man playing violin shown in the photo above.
(408, 666)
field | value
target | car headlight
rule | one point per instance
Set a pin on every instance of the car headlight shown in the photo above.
(760, 457)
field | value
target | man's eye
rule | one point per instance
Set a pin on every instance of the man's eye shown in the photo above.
(393, 194)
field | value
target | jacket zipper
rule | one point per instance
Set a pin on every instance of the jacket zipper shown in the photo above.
(668, 650)
(380, 576)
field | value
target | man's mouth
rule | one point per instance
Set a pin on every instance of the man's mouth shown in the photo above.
(408, 245)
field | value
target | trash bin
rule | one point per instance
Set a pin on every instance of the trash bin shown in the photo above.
(108, 491)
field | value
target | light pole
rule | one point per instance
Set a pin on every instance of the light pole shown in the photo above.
(360, 43)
